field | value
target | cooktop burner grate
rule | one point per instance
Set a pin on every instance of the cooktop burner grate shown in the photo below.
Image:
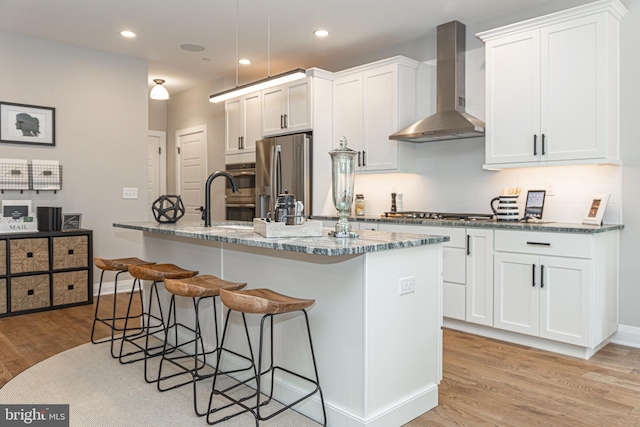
(438, 216)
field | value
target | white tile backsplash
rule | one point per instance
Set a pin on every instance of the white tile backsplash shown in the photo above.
(450, 178)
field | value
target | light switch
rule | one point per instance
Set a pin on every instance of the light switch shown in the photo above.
(129, 193)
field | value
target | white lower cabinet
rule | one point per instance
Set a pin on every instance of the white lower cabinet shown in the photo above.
(467, 270)
(561, 287)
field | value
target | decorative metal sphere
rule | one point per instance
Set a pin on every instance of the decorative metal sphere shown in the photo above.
(167, 209)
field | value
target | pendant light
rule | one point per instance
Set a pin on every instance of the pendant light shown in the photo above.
(267, 82)
(158, 91)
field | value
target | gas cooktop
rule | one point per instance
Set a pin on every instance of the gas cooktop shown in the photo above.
(444, 216)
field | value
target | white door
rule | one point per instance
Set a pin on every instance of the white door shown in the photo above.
(565, 300)
(298, 106)
(480, 276)
(347, 111)
(191, 169)
(274, 104)
(233, 116)
(252, 118)
(156, 166)
(517, 293)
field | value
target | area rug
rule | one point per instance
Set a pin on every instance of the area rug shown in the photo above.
(102, 392)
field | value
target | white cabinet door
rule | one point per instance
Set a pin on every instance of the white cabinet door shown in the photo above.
(565, 300)
(479, 286)
(252, 118)
(574, 92)
(516, 293)
(513, 98)
(233, 125)
(380, 118)
(347, 112)
(298, 112)
(287, 108)
(274, 102)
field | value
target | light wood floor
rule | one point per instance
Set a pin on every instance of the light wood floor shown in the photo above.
(486, 382)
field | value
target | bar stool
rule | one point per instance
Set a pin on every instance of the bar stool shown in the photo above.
(121, 265)
(198, 288)
(155, 273)
(269, 304)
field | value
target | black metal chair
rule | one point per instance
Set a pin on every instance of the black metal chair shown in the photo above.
(269, 304)
(121, 265)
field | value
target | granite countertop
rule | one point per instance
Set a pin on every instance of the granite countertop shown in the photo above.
(369, 241)
(561, 227)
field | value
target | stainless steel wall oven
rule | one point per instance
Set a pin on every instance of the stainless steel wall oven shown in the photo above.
(241, 206)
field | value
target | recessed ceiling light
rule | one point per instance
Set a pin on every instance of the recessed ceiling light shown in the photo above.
(244, 62)
(128, 34)
(321, 33)
(192, 47)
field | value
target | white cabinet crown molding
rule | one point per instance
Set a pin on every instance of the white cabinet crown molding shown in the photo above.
(614, 7)
(394, 60)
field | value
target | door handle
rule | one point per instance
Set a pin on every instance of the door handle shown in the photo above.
(539, 243)
(468, 244)
(543, 144)
(286, 121)
(533, 275)
(359, 162)
(242, 142)
(281, 121)
(535, 145)
(541, 276)
(364, 162)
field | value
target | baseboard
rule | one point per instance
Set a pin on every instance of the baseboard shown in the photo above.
(107, 287)
(627, 335)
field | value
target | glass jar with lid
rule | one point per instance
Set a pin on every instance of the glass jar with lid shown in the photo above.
(359, 205)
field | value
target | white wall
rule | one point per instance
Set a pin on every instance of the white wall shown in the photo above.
(192, 108)
(101, 132)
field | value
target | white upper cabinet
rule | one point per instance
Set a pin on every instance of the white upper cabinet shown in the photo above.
(370, 103)
(553, 88)
(243, 118)
(287, 108)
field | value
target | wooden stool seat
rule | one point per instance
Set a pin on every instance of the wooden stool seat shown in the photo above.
(200, 286)
(118, 264)
(262, 301)
(160, 272)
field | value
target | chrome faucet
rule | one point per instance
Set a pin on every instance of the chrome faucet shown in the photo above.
(206, 212)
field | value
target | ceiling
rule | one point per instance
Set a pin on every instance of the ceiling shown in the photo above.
(356, 27)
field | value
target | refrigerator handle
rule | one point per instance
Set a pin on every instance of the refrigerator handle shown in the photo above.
(275, 175)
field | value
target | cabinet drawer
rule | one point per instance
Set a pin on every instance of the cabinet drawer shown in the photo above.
(70, 252)
(70, 287)
(540, 243)
(3, 257)
(3, 296)
(457, 235)
(27, 255)
(29, 292)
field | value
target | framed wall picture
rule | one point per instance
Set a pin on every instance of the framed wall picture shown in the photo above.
(16, 208)
(71, 221)
(27, 124)
(595, 209)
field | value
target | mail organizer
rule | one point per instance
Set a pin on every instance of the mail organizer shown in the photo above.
(45, 270)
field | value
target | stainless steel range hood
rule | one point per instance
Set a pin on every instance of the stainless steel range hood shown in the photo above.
(450, 120)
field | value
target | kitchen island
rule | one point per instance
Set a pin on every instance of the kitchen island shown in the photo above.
(379, 352)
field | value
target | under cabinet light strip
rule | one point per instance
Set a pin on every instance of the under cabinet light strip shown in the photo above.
(289, 76)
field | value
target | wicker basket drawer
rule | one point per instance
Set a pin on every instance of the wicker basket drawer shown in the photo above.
(3, 296)
(70, 287)
(27, 255)
(3, 257)
(29, 292)
(70, 252)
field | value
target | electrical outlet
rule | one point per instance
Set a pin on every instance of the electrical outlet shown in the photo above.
(129, 193)
(551, 188)
(407, 285)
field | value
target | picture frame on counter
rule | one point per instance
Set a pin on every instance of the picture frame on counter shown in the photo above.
(27, 124)
(596, 208)
(71, 221)
(16, 208)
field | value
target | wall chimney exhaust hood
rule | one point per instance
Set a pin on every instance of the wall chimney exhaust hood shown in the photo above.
(450, 120)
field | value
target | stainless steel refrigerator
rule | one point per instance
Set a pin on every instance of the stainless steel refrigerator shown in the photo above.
(283, 163)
